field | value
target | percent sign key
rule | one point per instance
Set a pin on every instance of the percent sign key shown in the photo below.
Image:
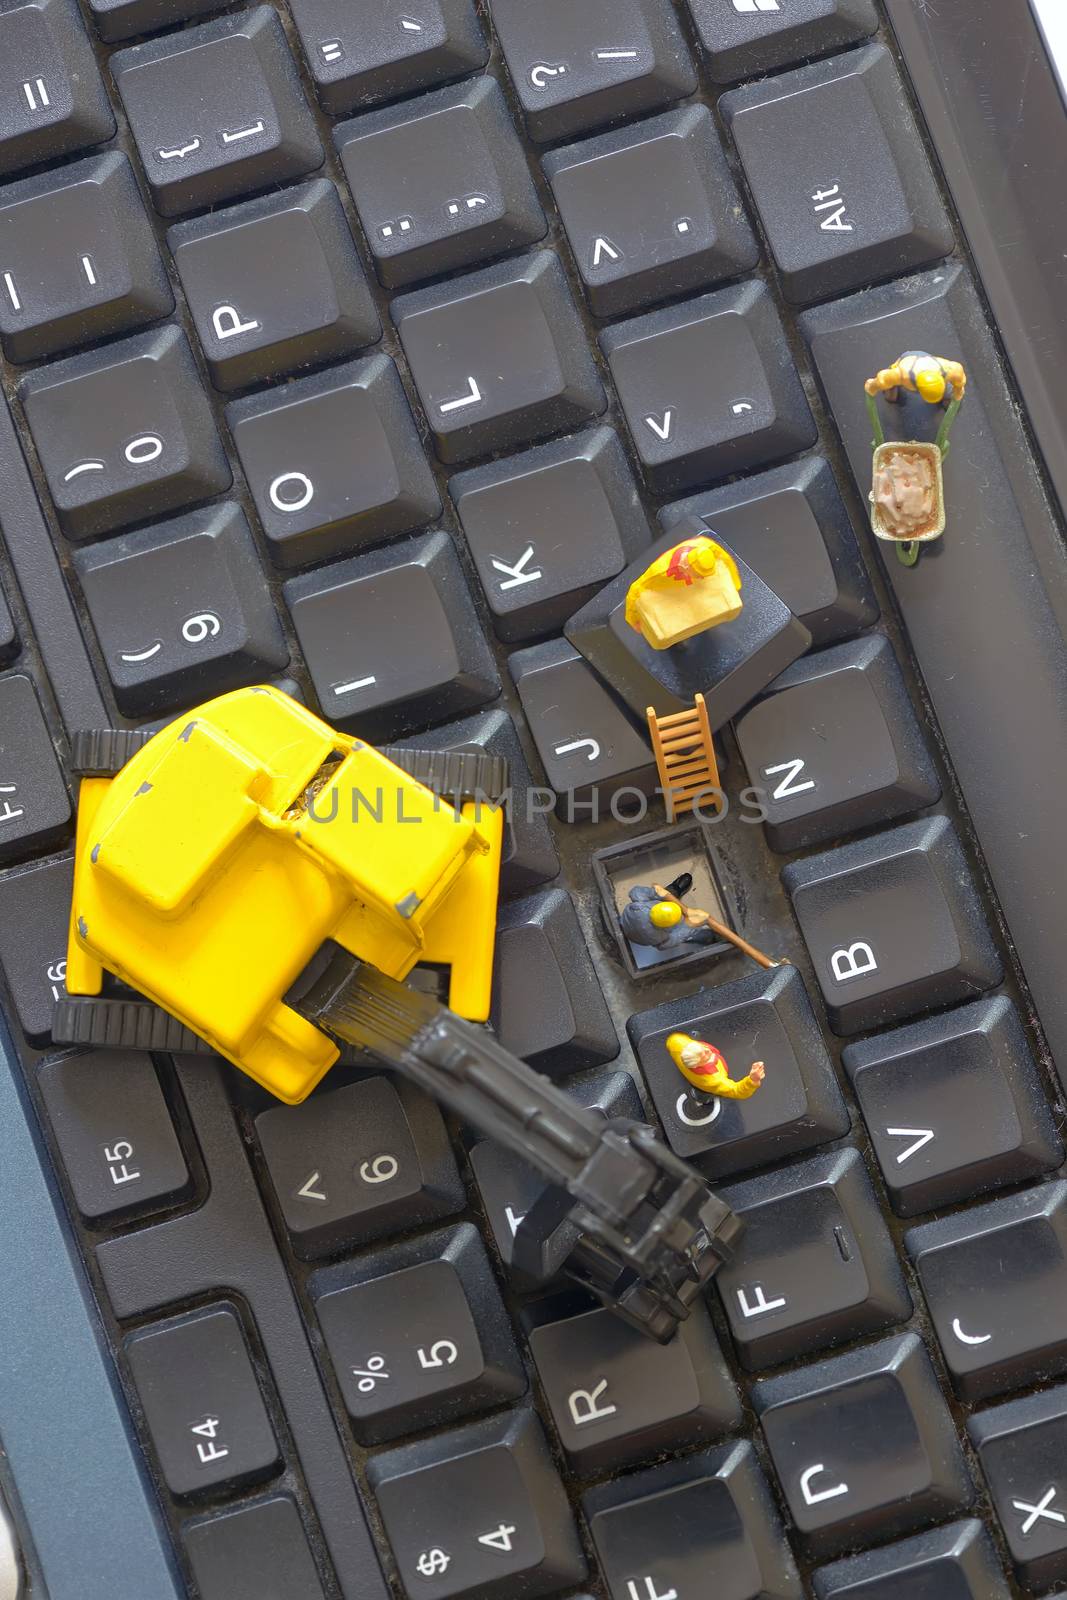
(371, 1374)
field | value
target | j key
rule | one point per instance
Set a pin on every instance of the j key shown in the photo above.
(791, 526)
(618, 1397)
(243, 1553)
(529, 854)
(441, 182)
(752, 38)
(576, 66)
(589, 748)
(34, 804)
(8, 637)
(764, 1018)
(125, 433)
(651, 211)
(358, 1162)
(815, 1266)
(728, 666)
(548, 528)
(1023, 1450)
(548, 1006)
(357, 622)
(52, 97)
(663, 1531)
(79, 259)
(508, 1186)
(418, 1337)
(686, 431)
(114, 1133)
(121, 19)
(863, 1444)
(217, 110)
(836, 746)
(380, 51)
(499, 357)
(480, 1511)
(334, 461)
(34, 922)
(995, 1280)
(893, 925)
(182, 610)
(838, 212)
(202, 1402)
(954, 1563)
(954, 1105)
(274, 285)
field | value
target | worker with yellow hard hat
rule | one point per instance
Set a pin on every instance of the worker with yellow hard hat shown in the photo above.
(705, 1068)
(690, 588)
(931, 377)
(652, 918)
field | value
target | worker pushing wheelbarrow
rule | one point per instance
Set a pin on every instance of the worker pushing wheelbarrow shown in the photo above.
(908, 489)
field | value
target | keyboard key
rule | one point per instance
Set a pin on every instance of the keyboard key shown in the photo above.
(548, 528)
(836, 747)
(418, 1337)
(1023, 1447)
(728, 666)
(114, 1132)
(663, 1531)
(765, 1017)
(440, 182)
(893, 925)
(243, 1553)
(379, 52)
(954, 1563)
(479, 1511)
(548, 1006)
(334, 461)
(358, 1162)
(617, 1397)
(499, 357)
(574, 67)
(121, 19)
(995, 1280)
(202, 1402)
(53, 99)
(589, 748)
(358, 623)
(815, 1266)
(34, 922)
(954, 1105)
(79, 259)
(125, 433)
(838, 213)
(863, 1444)
(182, 610)
(8, 637)
(34, 804)
(217, 111)
(791, 526)
(753, 38)
(686, 430)
(274, 285)
(529, 856)
(651, 211)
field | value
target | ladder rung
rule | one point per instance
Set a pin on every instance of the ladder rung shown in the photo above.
(677, 717)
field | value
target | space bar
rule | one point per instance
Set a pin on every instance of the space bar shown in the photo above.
(980, 621)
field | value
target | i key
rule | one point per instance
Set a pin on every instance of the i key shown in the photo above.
(995, 1280)
(836, 746)
(894, 925)
(125, 433)
(381, 50)
(217, 110)
(51, 95)
(1023, 1450)
(34, 804)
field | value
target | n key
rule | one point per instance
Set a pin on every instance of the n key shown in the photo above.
(51, 98)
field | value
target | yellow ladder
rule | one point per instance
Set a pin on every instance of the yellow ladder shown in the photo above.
(685, 758)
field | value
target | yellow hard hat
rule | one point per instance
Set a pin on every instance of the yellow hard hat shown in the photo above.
(665, 914)
(930, 382)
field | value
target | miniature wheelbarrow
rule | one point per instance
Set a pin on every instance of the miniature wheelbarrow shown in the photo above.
(908, 487)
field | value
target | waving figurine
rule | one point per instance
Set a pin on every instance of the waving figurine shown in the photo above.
(908, 492)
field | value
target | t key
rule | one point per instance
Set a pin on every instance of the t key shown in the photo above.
(51, 95)
(217, 110)
(125, 433)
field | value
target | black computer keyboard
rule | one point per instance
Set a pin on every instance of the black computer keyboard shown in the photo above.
(358, 346)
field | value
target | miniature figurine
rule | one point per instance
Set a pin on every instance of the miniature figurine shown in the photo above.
(705, 1068)
(697, 920)
(692, 587)
(908, 493)
(656, 917)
